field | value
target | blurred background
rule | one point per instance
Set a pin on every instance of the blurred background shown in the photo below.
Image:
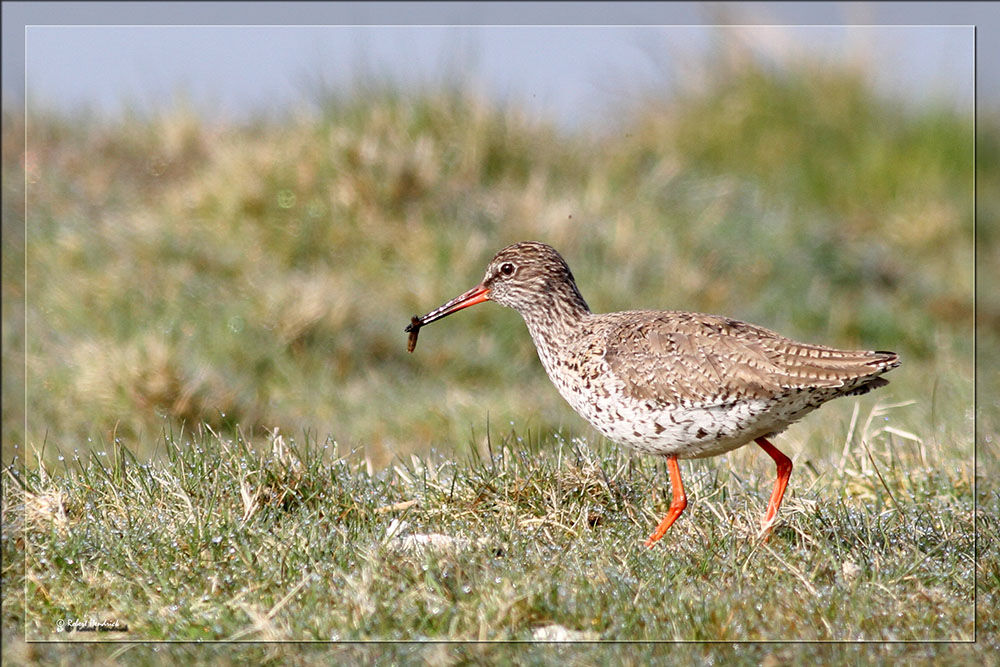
(232, 225)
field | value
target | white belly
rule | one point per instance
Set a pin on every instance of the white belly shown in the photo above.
(685, 431)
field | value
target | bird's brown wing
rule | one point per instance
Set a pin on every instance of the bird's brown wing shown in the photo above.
(677, 357)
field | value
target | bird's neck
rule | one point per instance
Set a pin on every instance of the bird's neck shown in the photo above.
(554, 317)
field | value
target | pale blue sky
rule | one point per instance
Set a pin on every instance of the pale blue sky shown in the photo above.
(575, 74)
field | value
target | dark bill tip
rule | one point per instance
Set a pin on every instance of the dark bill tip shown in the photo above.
(477, 294)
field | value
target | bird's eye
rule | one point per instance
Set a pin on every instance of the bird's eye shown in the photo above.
(507, 268)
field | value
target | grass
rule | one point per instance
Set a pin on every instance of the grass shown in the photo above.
(302, 542)
(194, 294)
(261, 274)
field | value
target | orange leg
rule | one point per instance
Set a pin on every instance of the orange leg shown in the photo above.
(784, 465)
(677, 506)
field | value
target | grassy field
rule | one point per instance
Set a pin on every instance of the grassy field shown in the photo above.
(539, 540)
(182, 289)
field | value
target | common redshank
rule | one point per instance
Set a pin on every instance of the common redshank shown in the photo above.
(677, 384)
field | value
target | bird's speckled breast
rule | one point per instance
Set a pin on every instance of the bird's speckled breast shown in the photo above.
(584, 378)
